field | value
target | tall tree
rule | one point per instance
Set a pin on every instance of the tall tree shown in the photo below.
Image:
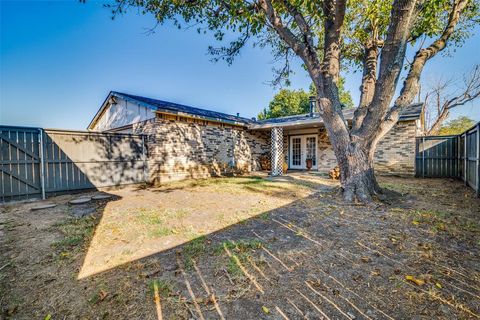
(327, 35)
(456, 126)
(286, 103)
(291, 102)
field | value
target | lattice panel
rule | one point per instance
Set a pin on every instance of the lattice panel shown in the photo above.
(277, 151)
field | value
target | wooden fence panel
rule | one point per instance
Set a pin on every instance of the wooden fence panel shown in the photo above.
(71, 160)
(20, 162)
(472, 158)
(450, 157)
(436, 157)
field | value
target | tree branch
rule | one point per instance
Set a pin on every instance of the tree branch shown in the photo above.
(469, 93)
(391, 63)
(411, 84)
(367, 87)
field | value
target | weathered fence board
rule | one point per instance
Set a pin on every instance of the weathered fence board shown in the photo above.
(471, 158)
(450, 157)
(437, 157)
(36, 161)
(20, 162)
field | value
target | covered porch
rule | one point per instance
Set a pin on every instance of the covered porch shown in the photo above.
(298, 143)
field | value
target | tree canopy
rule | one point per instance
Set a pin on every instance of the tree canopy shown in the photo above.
(456, 126)
(328, 36)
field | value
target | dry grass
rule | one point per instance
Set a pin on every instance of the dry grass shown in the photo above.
(249, 248)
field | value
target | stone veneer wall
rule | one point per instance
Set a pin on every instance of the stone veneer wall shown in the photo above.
(180, 150)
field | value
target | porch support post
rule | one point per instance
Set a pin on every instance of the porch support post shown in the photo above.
(277, 151)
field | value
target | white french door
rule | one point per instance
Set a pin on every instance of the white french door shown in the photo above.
(302, 148)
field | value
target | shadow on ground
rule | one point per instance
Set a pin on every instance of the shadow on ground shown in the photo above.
(312, 258)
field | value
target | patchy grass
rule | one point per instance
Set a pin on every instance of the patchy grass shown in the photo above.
(451, 223)
(193, 250)
(239, 253)
(164, 287)
(76, 232)
(413, 256)
(240, 246)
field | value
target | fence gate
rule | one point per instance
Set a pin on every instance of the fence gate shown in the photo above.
(20, 162)
(37, 162)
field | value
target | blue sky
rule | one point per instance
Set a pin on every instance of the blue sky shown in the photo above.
(59, 60)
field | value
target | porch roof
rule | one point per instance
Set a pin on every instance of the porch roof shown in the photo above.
(412, 112)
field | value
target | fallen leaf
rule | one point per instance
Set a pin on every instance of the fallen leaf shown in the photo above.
(439, 286)
(418, 282)
(365, 259)
(415, 222)
(102, 295)
(265, 309)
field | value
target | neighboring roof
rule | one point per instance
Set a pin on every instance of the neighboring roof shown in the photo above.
(412, 112)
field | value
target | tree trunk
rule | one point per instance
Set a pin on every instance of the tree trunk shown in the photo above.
(357, 175)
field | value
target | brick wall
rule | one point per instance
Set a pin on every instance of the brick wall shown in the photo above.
(180, 150)
(395, 153)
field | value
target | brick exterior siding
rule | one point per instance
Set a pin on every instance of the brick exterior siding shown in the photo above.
(180, 150)
(395, 153)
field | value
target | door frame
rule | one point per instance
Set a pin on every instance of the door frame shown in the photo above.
(303, 150)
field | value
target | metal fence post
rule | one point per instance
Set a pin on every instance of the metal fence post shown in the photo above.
(42, 163)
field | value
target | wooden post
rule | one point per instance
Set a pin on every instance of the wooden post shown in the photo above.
(478, 160)
(423, 157)
(42, 163)
(465, 159)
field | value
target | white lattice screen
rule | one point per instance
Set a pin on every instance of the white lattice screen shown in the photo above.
(277, 151)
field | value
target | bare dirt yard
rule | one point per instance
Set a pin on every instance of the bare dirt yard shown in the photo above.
(245, 248)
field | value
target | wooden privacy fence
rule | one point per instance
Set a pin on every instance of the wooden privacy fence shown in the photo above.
(36, 162)
(456, 156)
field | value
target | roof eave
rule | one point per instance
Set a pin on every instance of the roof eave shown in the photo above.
(191, 115)
(100, 110)
(179, 113)
(254, 126)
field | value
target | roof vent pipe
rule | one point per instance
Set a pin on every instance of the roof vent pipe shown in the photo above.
(313, 101)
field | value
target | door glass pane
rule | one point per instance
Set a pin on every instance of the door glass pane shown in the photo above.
(296, 152)
(311, 146)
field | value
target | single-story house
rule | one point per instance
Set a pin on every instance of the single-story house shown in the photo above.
(188, 142)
